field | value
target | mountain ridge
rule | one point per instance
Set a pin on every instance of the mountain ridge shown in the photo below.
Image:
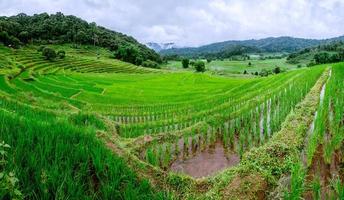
(285, 44)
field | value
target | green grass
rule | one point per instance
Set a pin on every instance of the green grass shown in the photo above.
(238, 67)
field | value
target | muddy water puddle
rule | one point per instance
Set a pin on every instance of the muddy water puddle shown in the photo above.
(206, 162)
(324, 172)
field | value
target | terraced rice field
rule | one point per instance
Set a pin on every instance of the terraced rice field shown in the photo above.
(191, 135)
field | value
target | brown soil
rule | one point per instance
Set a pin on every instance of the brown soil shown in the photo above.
(94, 178)
(324, 171)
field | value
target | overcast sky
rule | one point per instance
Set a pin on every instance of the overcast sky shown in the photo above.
(197, 22)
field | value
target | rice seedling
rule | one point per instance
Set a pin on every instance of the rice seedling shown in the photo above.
(297, 182)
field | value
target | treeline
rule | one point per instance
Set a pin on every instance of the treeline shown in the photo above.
(322, 54)
(324, 57)
(237, 50)
(58, 29)
(230, 53)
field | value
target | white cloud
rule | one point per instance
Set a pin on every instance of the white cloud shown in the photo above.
(196, 22)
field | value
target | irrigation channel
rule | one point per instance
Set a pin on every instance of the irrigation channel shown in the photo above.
(323, 152)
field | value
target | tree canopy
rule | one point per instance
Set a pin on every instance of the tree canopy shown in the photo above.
(185, 63)
(59, 28)
(199, 66)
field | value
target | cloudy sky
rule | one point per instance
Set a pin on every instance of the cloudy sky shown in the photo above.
(197, 22)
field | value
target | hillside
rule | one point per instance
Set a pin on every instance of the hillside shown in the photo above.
(321, 54)
(269, 45)
(58, 28)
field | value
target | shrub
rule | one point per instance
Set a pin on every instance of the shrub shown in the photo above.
(40, 48)
(49, 53)
(311, 64)
(185, 63)
(277, 70)
(150, 64)
(61, 54)
(200, 66)
(264, 72)
(8, 180)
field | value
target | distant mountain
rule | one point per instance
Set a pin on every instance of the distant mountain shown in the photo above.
(161, 46)
(271, 45)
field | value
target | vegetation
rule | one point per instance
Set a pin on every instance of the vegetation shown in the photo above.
(48, 53)
(267, 45)
(59, 29)
(79, 123)
(8, 181)
(328, 53)
(61, 54)
(185, 63)
(150, 64)
(255, 66)
(297, 186)
(199, 66)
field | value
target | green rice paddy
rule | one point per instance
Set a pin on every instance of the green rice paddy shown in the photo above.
(92, 127)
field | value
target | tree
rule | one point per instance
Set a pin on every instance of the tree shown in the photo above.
(322, 58)
(249, 64)
(277, 70)
(150, 64)
(81, 37)
(200, 66)
(256, 73)
(245, 72)
(48, 53)
(334, 58)
(24, 36)
(185, 63)
(138, 60)
(209, 60)
(128, 54)
(61, 54)
(264, 72)
(44, 29)
(9, 40)
(341, 55)
(40, 48)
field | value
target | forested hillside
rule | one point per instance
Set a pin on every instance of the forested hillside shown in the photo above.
(321, 54)
(58, 28)
(269, 45)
